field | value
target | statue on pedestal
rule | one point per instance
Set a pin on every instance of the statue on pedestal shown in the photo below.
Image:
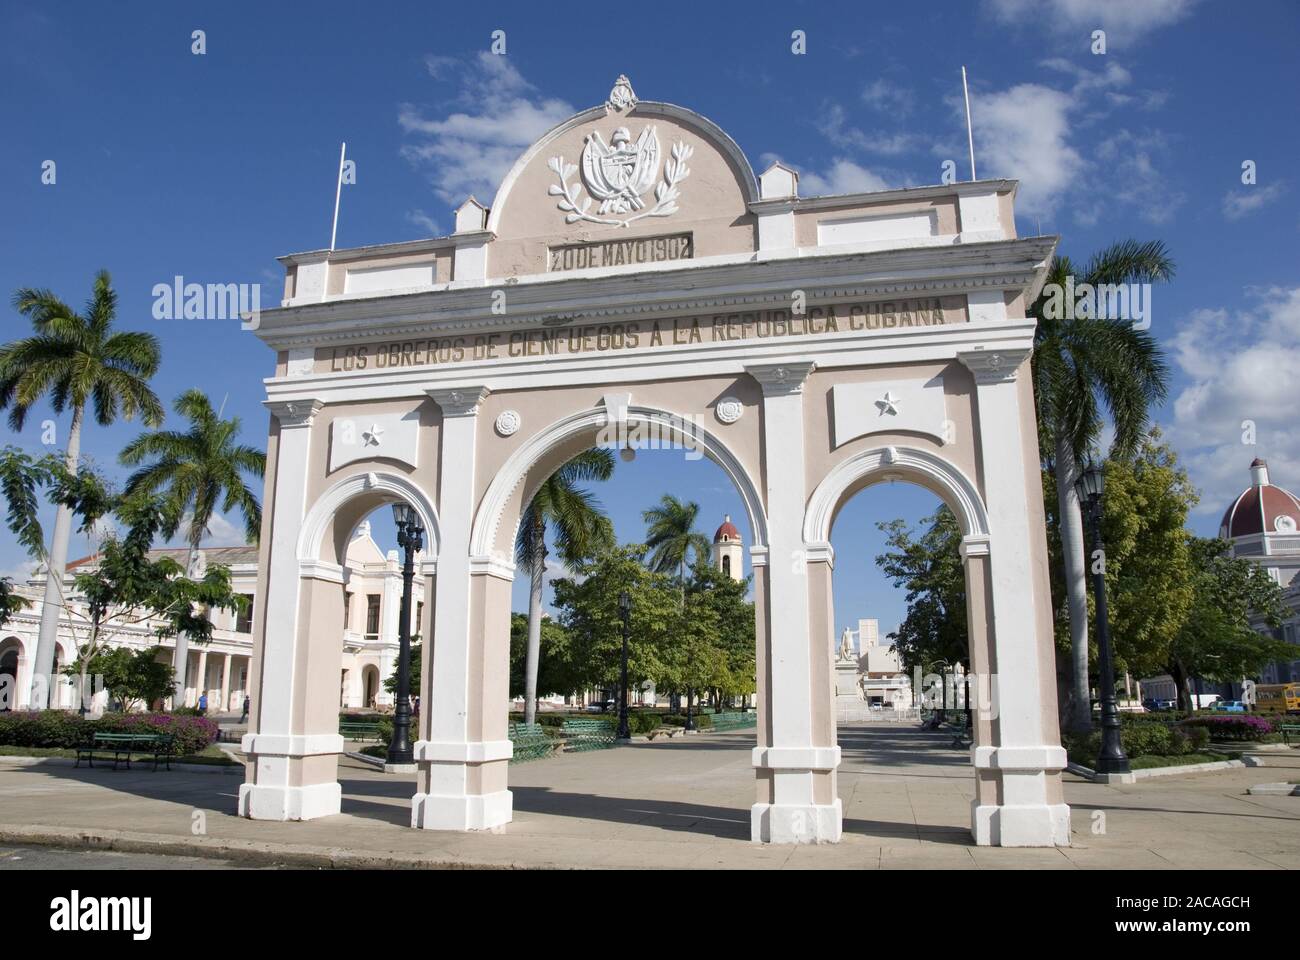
(846, 646)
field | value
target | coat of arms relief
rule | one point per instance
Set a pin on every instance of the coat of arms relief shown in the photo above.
(619, 173)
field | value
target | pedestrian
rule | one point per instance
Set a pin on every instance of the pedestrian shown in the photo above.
(203, 704)
(243, 717)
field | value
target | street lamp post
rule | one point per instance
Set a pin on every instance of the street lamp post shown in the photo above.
(410, 537)
(625, 614)
(1091, 487)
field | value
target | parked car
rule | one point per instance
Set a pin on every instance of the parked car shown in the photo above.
(1156, 705)
(601, 706)
(1228, 706)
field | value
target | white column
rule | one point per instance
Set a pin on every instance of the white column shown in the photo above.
(224, 704)
(450, 801)
(1026, 815)
(275, 790)
(796, 764)
(201, 683)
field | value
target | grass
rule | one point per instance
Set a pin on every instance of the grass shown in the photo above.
(210, 756)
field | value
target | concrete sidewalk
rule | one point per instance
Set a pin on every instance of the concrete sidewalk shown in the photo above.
(678, 803)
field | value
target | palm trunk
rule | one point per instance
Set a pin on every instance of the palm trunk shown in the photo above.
(181, 660)
(534, 648)
(1076, 585)
(56, 565)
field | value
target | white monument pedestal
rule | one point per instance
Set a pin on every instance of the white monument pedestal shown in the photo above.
(850, 706)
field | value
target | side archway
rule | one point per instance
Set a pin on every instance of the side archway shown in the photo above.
(367, 491)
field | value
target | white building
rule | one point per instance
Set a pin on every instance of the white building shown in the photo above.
(368, 635)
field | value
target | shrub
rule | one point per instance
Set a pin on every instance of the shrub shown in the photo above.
(641, 722)
(1232, 726)
(702, 721)
(58, 728)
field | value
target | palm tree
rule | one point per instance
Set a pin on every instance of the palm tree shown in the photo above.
(671, 536)
(199, 469)
(1079, 365)
(580, 530)
(75, 359)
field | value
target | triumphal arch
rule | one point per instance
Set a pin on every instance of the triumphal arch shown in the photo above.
(631, 278)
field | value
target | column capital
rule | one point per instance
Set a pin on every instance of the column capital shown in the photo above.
(294, 413)
(781, 379)
(994, 366)
(459, 401)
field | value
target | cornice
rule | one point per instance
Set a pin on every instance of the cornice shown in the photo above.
(747, 284)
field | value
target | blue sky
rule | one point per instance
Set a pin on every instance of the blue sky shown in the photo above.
(210, 166)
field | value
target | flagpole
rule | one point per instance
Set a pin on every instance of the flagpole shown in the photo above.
(338, 190)
(970, 136)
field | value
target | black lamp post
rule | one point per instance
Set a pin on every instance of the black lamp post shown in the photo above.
(1090, 487)
(410, 537)
(625, 614)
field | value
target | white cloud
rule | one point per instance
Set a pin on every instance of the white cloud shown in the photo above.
(424, 222)
(844, 176)
(1123, 20)
(834, 126)
(1024, 133)
(888, 97)
(223, 533)
(1247, 200)
(1241, 367)
(470, 151)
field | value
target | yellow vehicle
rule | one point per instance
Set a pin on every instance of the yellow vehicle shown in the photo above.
(1277, 698)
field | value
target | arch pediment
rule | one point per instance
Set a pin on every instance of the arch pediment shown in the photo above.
(628, 182)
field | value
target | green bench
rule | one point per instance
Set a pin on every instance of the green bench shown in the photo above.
(359, 730)
(531, 742)
(120, 746)
(735, 720)
(581, 735)
(1289, 730)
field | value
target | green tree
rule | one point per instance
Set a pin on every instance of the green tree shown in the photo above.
(131, 676)
(10, 602)
(733, 633)
(580, 530)
(587, 605)
(1148, 565)
(74, 359)
(928, 565)
(557, 672)
(197, 470)
(1216, 641)
(1084, 361)
(672, 538)
(693, 661)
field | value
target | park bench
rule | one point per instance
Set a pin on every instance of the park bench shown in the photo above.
(531, 742)
(581, 735)
(1289, 730)
(120, 746)
(359, 730)
(734, 721)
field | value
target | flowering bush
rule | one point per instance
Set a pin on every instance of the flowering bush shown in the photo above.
(58, 728)
(1232, 726)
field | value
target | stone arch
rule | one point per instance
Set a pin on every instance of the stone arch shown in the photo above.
(519, 471)
(365, 491)
(921, 467)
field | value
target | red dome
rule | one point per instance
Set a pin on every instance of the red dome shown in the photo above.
(727, 531)
(1261, 508)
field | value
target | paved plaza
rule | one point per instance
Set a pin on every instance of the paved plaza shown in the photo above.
(678, 803)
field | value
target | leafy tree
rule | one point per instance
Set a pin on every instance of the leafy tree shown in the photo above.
(557, 672)
(928, 565)
(1082, 363)
(1216, 640)
(125, 586)
(693, 660)
(10, 602)
(672, 538)
(74, 359)
(1149, 573)
(580, 529)
(733, 630)
(587, 605)
(131, 676)
(197, 470)
(415, 666)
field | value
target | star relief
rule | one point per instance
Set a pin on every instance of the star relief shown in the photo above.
(370, 438)
(888, 404)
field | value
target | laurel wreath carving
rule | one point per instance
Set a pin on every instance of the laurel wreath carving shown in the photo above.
(666, 192)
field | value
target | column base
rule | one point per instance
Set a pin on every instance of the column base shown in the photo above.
(487, 811)
(1040, 825)
(796, 823)
(258, 802)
